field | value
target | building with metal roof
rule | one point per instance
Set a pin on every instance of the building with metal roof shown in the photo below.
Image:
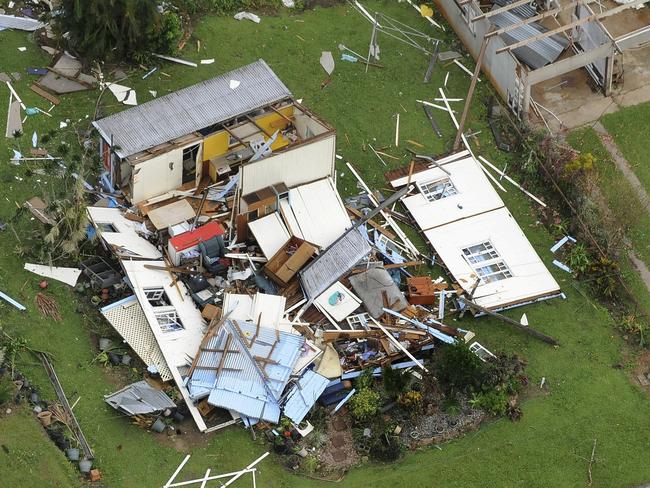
(205, 132)
(192, 109)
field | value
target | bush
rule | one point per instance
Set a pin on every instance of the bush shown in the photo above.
(458, 368)
(118, 30)
(494, 402)
(411, 400)
(365, 404)
(395, 381)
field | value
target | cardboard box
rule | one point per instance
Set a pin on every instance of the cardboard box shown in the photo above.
(289, 259)
(210, 311)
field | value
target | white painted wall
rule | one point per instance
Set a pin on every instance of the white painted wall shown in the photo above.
(296, 166)
(475, 195)
(157, 175)
(530, 276)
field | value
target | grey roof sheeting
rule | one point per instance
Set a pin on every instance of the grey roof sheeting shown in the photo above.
(138, 399)
(535, 54)
(20, 23)
(193, 108)
(333, 263)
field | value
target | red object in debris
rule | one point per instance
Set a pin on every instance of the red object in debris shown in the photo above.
(287, 433)
(43, 284)
(95, 475)
(193, 238)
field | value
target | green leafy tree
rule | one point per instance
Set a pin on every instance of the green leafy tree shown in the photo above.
(118, 29)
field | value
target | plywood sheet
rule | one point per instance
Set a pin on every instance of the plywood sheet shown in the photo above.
(270, 232)
(171, 214)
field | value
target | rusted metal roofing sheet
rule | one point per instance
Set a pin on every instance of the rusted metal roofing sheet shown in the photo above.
(191, 109)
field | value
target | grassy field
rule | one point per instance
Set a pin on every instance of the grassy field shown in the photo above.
(28, 457)
(628, 128)
(588, 395)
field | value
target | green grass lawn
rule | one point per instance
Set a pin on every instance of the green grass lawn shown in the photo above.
(588, 397)
(628, 127)
(28, 457)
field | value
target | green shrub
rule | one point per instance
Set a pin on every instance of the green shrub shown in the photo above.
(365, 380)
(395, 381)
(365, 404)
(494, 402)
(578, 258)
(411, 400)
(458, 368)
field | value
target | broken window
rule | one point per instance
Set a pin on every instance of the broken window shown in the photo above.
(157, 297)
(168, 319)
(105, 227)
(438, 189)
(486, 262)
(165, 313)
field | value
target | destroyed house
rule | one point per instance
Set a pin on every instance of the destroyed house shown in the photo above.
(474, 235)
(534, 47)
(245, 120)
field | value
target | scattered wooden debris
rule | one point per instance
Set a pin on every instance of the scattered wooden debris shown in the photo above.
(48, 306)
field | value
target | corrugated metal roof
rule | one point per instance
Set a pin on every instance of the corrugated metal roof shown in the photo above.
(303, 395)
(524, 11)
(333, 263)
(20, 23)
(139, 398)
(246, 385)
(193, 108)
(535, 54)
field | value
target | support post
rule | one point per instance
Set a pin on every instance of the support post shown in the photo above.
(470, 93)
(609, 74)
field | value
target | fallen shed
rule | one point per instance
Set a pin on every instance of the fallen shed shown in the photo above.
(139, 398)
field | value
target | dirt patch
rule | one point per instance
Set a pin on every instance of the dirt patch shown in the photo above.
(641, 371)
(322, 3)
(184, 437)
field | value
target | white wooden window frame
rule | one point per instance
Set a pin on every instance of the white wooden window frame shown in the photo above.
(481, 352)
(167, 319)
(486, 262)
(432, 191)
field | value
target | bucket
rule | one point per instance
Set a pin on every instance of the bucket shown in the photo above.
(72, 453)
(158, 426)
(45, 417)
(85, 465)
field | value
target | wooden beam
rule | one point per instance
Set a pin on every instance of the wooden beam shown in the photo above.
(252, 121)
(500, 10)
(558, 30)
(571, 63)
(509, 321)
(288, 119)
(535, 18)
(470, 92)
(38, 89)
(374, 224)
(403, 265)
(239, 140)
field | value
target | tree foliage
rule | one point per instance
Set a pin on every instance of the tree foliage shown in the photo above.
(118, 29)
